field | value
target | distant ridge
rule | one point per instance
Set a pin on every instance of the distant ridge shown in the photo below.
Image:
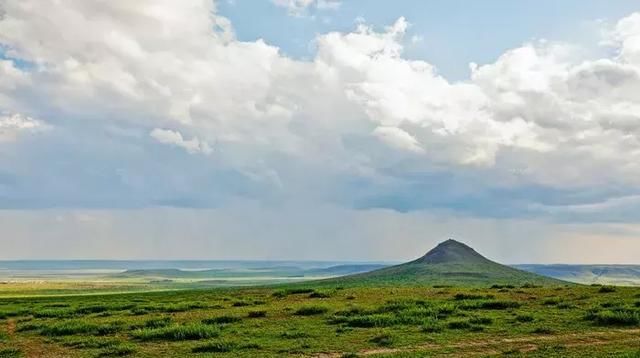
(449, 263)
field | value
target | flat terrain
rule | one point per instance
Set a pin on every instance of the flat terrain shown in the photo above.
(326, 321)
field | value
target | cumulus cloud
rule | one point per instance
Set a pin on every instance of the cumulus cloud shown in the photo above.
(175, 138)
(539, 116)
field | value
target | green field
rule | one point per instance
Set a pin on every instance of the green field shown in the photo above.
(451, 302)
(349, 321)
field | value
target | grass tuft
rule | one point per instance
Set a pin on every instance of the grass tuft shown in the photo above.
(311, 311)
(77, 327)
(177, 333)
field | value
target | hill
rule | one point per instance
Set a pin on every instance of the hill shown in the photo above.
(266, 272)
(450, 263)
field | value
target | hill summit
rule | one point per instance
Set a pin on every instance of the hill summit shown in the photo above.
(450, 263)
(451, 251)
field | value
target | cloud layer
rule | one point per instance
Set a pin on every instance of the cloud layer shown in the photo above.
(543, 129)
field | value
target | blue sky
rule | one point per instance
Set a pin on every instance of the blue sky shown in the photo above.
(454, 33)
(312, 129)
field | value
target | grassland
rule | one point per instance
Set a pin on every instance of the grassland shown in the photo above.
(328, 321)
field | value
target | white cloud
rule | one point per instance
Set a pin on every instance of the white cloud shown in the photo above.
(16, 124)
(192, 146)
(627, 33)
(397, 138)
(329, 4)
(540, 110)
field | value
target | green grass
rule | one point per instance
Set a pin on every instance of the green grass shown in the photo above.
(347, 319)
(191, 331)
(67, 328)
(10, 353)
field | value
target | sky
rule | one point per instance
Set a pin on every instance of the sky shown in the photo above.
(319, 129)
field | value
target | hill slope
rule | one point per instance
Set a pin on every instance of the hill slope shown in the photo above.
(449, 263)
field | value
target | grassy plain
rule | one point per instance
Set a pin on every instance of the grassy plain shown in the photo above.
(325, 321)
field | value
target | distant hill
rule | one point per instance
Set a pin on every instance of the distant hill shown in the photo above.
(449, 263)
(344, 269)
(268, 272)
(627, 275)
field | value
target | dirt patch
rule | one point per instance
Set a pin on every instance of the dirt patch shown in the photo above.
(11, 327)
